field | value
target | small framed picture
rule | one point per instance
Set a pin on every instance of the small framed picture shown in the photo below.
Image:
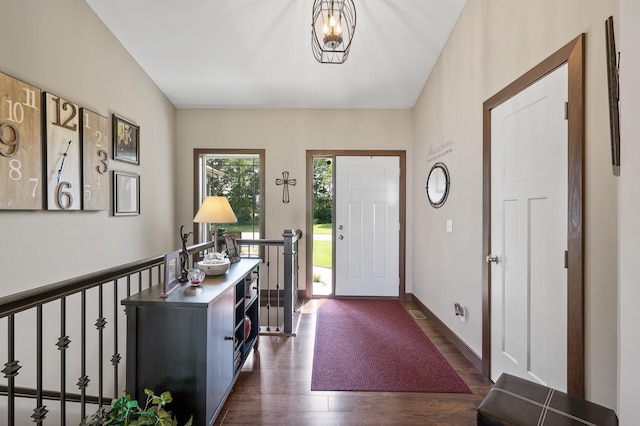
(126, 140)
(126, 194)
(232, 248)
(171, 273)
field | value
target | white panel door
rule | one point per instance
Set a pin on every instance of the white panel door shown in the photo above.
(529, 233)
(367, 226)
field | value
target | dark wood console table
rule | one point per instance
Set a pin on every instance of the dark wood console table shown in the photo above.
(193, 342)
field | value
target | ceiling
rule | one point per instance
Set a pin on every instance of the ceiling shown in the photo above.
(257, 53)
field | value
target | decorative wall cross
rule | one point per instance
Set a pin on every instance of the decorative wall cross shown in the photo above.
(286, 182)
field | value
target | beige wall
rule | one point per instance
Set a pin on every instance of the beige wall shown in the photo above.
(493, 43)
(629, 205)
(62, 47)
(68, 51)
(285, 135)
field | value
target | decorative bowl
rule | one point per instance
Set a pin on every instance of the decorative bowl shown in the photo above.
(214, 266)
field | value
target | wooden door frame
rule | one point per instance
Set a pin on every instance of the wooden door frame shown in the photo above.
(401, 154)
(573, 55)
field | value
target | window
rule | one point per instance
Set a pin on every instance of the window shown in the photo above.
(238, 175)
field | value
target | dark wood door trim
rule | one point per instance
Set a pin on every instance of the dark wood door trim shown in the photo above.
(572, 54)
(401, 154)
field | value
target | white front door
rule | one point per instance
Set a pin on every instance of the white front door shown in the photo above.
(367, 226)
(529, 181)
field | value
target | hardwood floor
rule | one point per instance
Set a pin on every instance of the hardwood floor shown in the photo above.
(274, 388)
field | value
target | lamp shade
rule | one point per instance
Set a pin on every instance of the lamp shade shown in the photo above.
(215, 209)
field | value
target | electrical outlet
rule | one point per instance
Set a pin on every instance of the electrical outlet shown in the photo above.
(460, 311)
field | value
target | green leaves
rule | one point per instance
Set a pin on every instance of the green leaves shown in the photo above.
(238, 178)
(161, 400)
(127, 412)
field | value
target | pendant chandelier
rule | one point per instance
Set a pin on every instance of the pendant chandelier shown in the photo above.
(332, 27)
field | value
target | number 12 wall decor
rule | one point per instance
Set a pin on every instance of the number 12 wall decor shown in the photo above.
(63, 154)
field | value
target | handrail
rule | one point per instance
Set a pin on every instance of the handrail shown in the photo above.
(28, 299)
(297, 234)
(289, 289)
(104, 316)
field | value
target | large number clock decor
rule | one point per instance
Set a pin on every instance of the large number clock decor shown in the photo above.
(20, 146)
(63, 153)
(55, 155)
(95, 160)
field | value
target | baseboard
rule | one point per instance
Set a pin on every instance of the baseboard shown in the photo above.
(465, 350)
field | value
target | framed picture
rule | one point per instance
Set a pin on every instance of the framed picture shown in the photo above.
(171, 273)
(614, 95)
(232, 248)
(126, 140)
(126, 194)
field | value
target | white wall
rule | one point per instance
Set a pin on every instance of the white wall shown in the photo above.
(62, 47)
(493, 43)
(629, 205)
(286, 135)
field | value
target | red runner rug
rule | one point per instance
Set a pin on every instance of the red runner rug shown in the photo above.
(375, 345)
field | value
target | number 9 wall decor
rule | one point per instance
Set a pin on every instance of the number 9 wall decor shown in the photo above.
(20, 146)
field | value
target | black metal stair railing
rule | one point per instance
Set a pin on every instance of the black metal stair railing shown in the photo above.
(279, 279)
(69, 332)
(59, 313)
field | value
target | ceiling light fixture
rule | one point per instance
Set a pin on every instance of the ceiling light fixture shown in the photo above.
(332, 27)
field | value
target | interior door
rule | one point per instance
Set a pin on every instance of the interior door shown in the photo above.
(367, 226)
(529, 181)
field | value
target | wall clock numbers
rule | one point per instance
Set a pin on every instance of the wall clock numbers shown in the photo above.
(55, 155)
(20, 146)
(62, 132)
(95, 160)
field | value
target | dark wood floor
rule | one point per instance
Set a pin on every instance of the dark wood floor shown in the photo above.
(274, 388)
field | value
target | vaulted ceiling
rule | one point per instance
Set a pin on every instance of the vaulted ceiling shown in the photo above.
(257, 53)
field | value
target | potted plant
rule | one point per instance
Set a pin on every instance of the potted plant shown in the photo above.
(127, 412)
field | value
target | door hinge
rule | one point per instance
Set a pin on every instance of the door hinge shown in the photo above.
(566, 259)
(566, 110)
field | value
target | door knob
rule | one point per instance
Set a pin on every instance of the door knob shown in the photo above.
(340, 227)
(340, 237)
(492, 258)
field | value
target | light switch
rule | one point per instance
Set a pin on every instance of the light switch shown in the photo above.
(449, 225)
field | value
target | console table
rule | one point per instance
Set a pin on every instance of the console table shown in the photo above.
(194, 342)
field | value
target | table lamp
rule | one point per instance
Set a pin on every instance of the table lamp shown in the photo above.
(215, 209)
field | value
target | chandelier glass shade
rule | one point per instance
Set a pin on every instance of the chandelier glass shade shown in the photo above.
(332, 27)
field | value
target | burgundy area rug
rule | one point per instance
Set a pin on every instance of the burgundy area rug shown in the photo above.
(375, 345)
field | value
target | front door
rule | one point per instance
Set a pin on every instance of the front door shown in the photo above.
(529, 233)
(367, 226)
